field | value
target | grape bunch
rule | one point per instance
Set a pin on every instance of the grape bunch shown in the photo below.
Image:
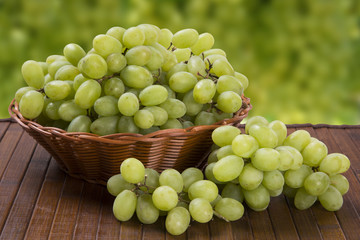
(137, 80)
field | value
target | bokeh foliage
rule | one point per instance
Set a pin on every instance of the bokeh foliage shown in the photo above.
(301, 56)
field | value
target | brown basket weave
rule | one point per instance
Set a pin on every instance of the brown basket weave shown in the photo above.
(96, 158)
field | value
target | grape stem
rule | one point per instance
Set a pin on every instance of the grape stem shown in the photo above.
(220, 216)
(170, 45)
(100, 80)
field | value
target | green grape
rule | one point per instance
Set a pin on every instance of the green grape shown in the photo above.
(298, 139)
(191, 175)
(204, 91)
(105, 125)
(21, 91)
(228, 168)
(151, 180)
(334, 163)
(203, 189)
(217, 199)
(276, 192)
(201, 210)
(257, 199)
(243, 79)
(70, 110)
(81, 123)
(331, 200)
(222, 67)
(87, 94)
(33, 74)
(179, 67)
(133, 36)
(114, 87)
(52, 58)
(273, 180)
(136, 77)
(116, 184)
(204, 118)
(244, 145)
(204, 42)
(156, 59)
(57, 90)
(153, 95)
(144, 119)
(214, 51)
(265, 136)
(289, 191)
(266, 159)
(106, 106)
(169, 57)
(172, 123)
(229, 83)
(93, 66)
(286, 158)
(160, 115)
(31, 104)
(66, 72)
(174, 107)
(128, 104)
(125, 205)
(182, 82)
(139, 55)
(314, 152)
(177, 221)
(230, 209)
(209, 174)
(127, 125)
(116, 62)
(340, 183)
(229, 102)
(116, 32)
(105, 45)
(78, 80)
(182, 54)
(185, 38)
(224, 135)
(297, 157)
(171, 178)
(250, 177)
(55, 66)
(212, 157)
(256, 120)
(146, 212)
(224, 151)
(132, 170)
(197, 67)
(219, 116)
(72, 90)
(303, 200)
(187, 124)
(316, 183)
(151, 32)
(73, 53)
(280, 129)
(165, 198)
(233, 191)
(192, 107)
(165, 37)
(296, 178)
(52, 109)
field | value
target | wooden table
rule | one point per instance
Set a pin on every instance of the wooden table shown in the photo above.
(39, 201)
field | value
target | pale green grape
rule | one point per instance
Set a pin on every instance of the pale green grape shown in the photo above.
(125, 205)
(280, 129)
(229, 102)
(73, 53)
(204, 118)
(57, 90)
(204, 91)
(182, 54)
(192, 107)
(257, 199)
(286, 158)
(153, 95)
(160, 115)
(214, 51)
(136, 77)
(31, 104)
(209, 174)
(165, 37)
(87, 94)
(266, 159)
(146, 212)
(116, 32)
(230, 209)
(273, 180)
(217, 199)
(127, 125)
(114, 87)
(303, 200)
(52, 109)
(52, 58)
(187, 124)
(133, 36)
(185, 38)
(314, 152)
(151, 180)
(243, 79)
(78, 80)
(156, 59)
(56, 65)
(172, 178)
(224, 151)
(222, 67)
(48, 78)
(340, 183)
(144, 119)
(172, 123)
(128, 104)
(232, 190)
(191, 175)
(256, 120)
(139, 55)
(151, 32)
(297, 157)
(179, 67)
(174, 107)
(316, 183)
(33, 74)
(182, 82)
(228, 168)
(298, 139)
(169, 57)
(21, 91)
(81, 123)
(244, 145)
(212, 157)
(201, 210)
(250, 177)
(106, 106)
(275, 193)
(331, 200)
(132, 170)
(204, 42)
(334, 163)
(105, 125)
(116, 184)
(229, 83)
(116, 62)
(296, 178)
(265, 136)
(224, 135)
(165, 198)
(177, 221)
(70, 110)
(93, 66)
(105, 45)
(203, 189)
(197, 67)
(66, 72)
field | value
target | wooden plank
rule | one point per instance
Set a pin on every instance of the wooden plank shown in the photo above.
(22, 207)
(154, 231)
(241, 229)
(45, 208)
(131, 229)
(198, 230)
(219, 229)
(3, 127)
(261, 224)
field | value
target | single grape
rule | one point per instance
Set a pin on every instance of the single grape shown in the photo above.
(224, 151)
(81, 123)
(56, 65)
(151, 180)
(67, 72)
(177, 221)
(185, 38)
(172, 178)
(204, 42)
(106, 106)
(172, 123)
(340, 183)
(132, 170)
(296, 178)
(256, 120)
(146, 212)
(286, 158)
(303, 200)
(204, 118)
(165, 37)
(70, 110)
(297, 157)
(151, 33)
(182, 82)
(52, 58)
(33, 74)
(209, 174)
(316, 183)
(243, 79)
(197, 67)
(160, 115)
(93, 66)
(31, 104)
(257, 199)
(280, 129)
(156, 59)
(144, 119)
(222, 67)
(232, 190)
(203, 189)
(224, 135)
(214, 51)
(331, 200)
(114, 87)
(298, 139)
(230, 209)
(57, 90)
(153, 95)
(228, 168)
(229, 102)
(201, 210)
(182, 54)
(266, 159)
(191, 175)
(87, 94)
(105, 45)
(165, 198)
(204, 91)
(136, 76)
(52, 109)
(250, 177)
(244, 145)
(133, 36)
(179, 67)
(124, 205)
(139, 55)
(212, 157)
(116, 32)
(116, 62)
(78, 80)
(273, 180)
(265, 136)
(229, 83)
(116, 184)
(334, 163)
(174, 107)
(21, 91)
(105, 125)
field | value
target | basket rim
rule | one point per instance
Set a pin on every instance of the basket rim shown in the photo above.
(159, 135)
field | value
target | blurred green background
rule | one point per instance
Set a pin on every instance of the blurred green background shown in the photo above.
(301, 56)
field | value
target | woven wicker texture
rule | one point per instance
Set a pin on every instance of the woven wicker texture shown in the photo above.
(96, 158)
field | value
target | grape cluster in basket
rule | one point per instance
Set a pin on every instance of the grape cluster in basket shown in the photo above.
(139, 79)
(254, 166)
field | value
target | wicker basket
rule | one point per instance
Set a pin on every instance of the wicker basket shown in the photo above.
(96, 158)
